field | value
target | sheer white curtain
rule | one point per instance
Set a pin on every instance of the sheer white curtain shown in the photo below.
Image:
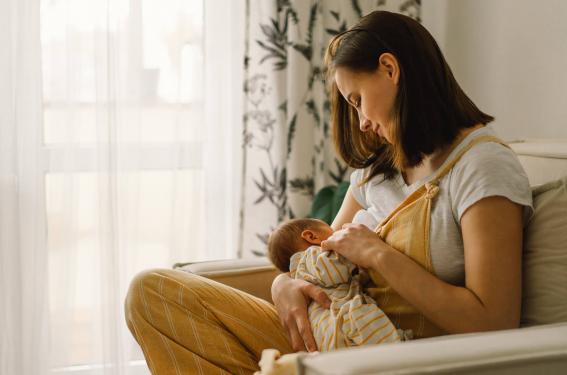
(119, 132)
(23, 251)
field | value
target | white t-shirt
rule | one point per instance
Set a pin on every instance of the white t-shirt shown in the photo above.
(487, 169)
(366, 218)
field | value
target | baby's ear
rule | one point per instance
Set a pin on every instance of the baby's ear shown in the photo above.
(311, 237)
(308, 235)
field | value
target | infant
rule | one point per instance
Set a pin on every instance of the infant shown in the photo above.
(354, 318)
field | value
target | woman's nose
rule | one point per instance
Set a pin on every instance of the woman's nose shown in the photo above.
(364, 123)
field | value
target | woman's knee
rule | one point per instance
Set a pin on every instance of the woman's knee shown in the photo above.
(169, 285)
(140, 285)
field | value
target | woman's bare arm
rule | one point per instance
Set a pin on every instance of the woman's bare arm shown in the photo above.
(291, 298)
(491, 298)
(349, 207)
(492, 236)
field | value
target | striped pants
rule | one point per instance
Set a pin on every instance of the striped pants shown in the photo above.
(187, 324)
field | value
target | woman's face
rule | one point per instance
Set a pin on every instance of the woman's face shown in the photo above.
(372, 94)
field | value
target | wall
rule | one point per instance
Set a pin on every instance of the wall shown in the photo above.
(510, 57)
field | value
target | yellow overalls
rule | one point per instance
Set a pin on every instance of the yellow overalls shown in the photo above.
(407, 229)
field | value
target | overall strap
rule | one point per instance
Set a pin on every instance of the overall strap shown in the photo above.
(430, 189)
(447, 168)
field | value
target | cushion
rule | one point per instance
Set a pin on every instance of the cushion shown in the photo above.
(545, 256)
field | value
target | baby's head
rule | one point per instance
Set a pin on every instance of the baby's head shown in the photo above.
(293, 236)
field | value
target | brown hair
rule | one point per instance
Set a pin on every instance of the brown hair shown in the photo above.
(286, 240)
(430, 108)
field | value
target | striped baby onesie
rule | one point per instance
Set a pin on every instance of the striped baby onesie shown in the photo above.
(354, 318)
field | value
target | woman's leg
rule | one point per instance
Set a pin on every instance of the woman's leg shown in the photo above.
(187, 324)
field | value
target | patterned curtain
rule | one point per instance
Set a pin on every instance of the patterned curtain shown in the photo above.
(288, 151)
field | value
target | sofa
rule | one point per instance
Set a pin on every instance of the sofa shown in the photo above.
(538, 347)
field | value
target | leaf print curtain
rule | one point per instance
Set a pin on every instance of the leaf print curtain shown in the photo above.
(288, 153)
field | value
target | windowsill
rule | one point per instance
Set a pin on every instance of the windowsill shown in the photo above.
(135, 368)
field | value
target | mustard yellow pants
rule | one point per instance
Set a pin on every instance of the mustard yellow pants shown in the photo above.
(187, 324)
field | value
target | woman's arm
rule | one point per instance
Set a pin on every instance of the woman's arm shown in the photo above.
(349, 207)
(291, 298)
(491, 298)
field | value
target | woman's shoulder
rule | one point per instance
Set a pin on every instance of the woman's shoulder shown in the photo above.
(490, 158)
(488, 169)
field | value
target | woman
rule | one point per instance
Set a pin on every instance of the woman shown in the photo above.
(451, 199)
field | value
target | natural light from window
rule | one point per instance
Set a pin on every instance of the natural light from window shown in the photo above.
(128, 73)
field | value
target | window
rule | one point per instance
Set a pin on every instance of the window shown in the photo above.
(128, 171)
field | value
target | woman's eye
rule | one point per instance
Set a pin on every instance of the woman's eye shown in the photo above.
(354, 102)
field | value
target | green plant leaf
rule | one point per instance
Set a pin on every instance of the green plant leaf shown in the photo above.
(327, 202)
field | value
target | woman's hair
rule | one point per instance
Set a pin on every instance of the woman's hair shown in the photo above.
(429, 110)
(286, 240)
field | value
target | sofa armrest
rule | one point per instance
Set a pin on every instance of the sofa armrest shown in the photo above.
(253, 276)
(534, 350)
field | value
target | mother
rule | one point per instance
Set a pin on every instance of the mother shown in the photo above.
(451, 197)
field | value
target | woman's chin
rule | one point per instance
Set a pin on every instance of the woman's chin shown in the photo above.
(380, 132)
(383, 137)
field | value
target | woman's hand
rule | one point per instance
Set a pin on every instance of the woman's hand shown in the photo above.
(357, 243)
(291, 298)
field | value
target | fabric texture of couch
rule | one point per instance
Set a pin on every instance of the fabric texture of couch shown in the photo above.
(540, 346)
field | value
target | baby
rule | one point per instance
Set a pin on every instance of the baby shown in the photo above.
(354, 318)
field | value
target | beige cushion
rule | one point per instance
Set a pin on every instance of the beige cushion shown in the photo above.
(543, 160)
(545, 257)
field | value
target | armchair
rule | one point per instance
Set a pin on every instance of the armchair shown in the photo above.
(539, 346)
